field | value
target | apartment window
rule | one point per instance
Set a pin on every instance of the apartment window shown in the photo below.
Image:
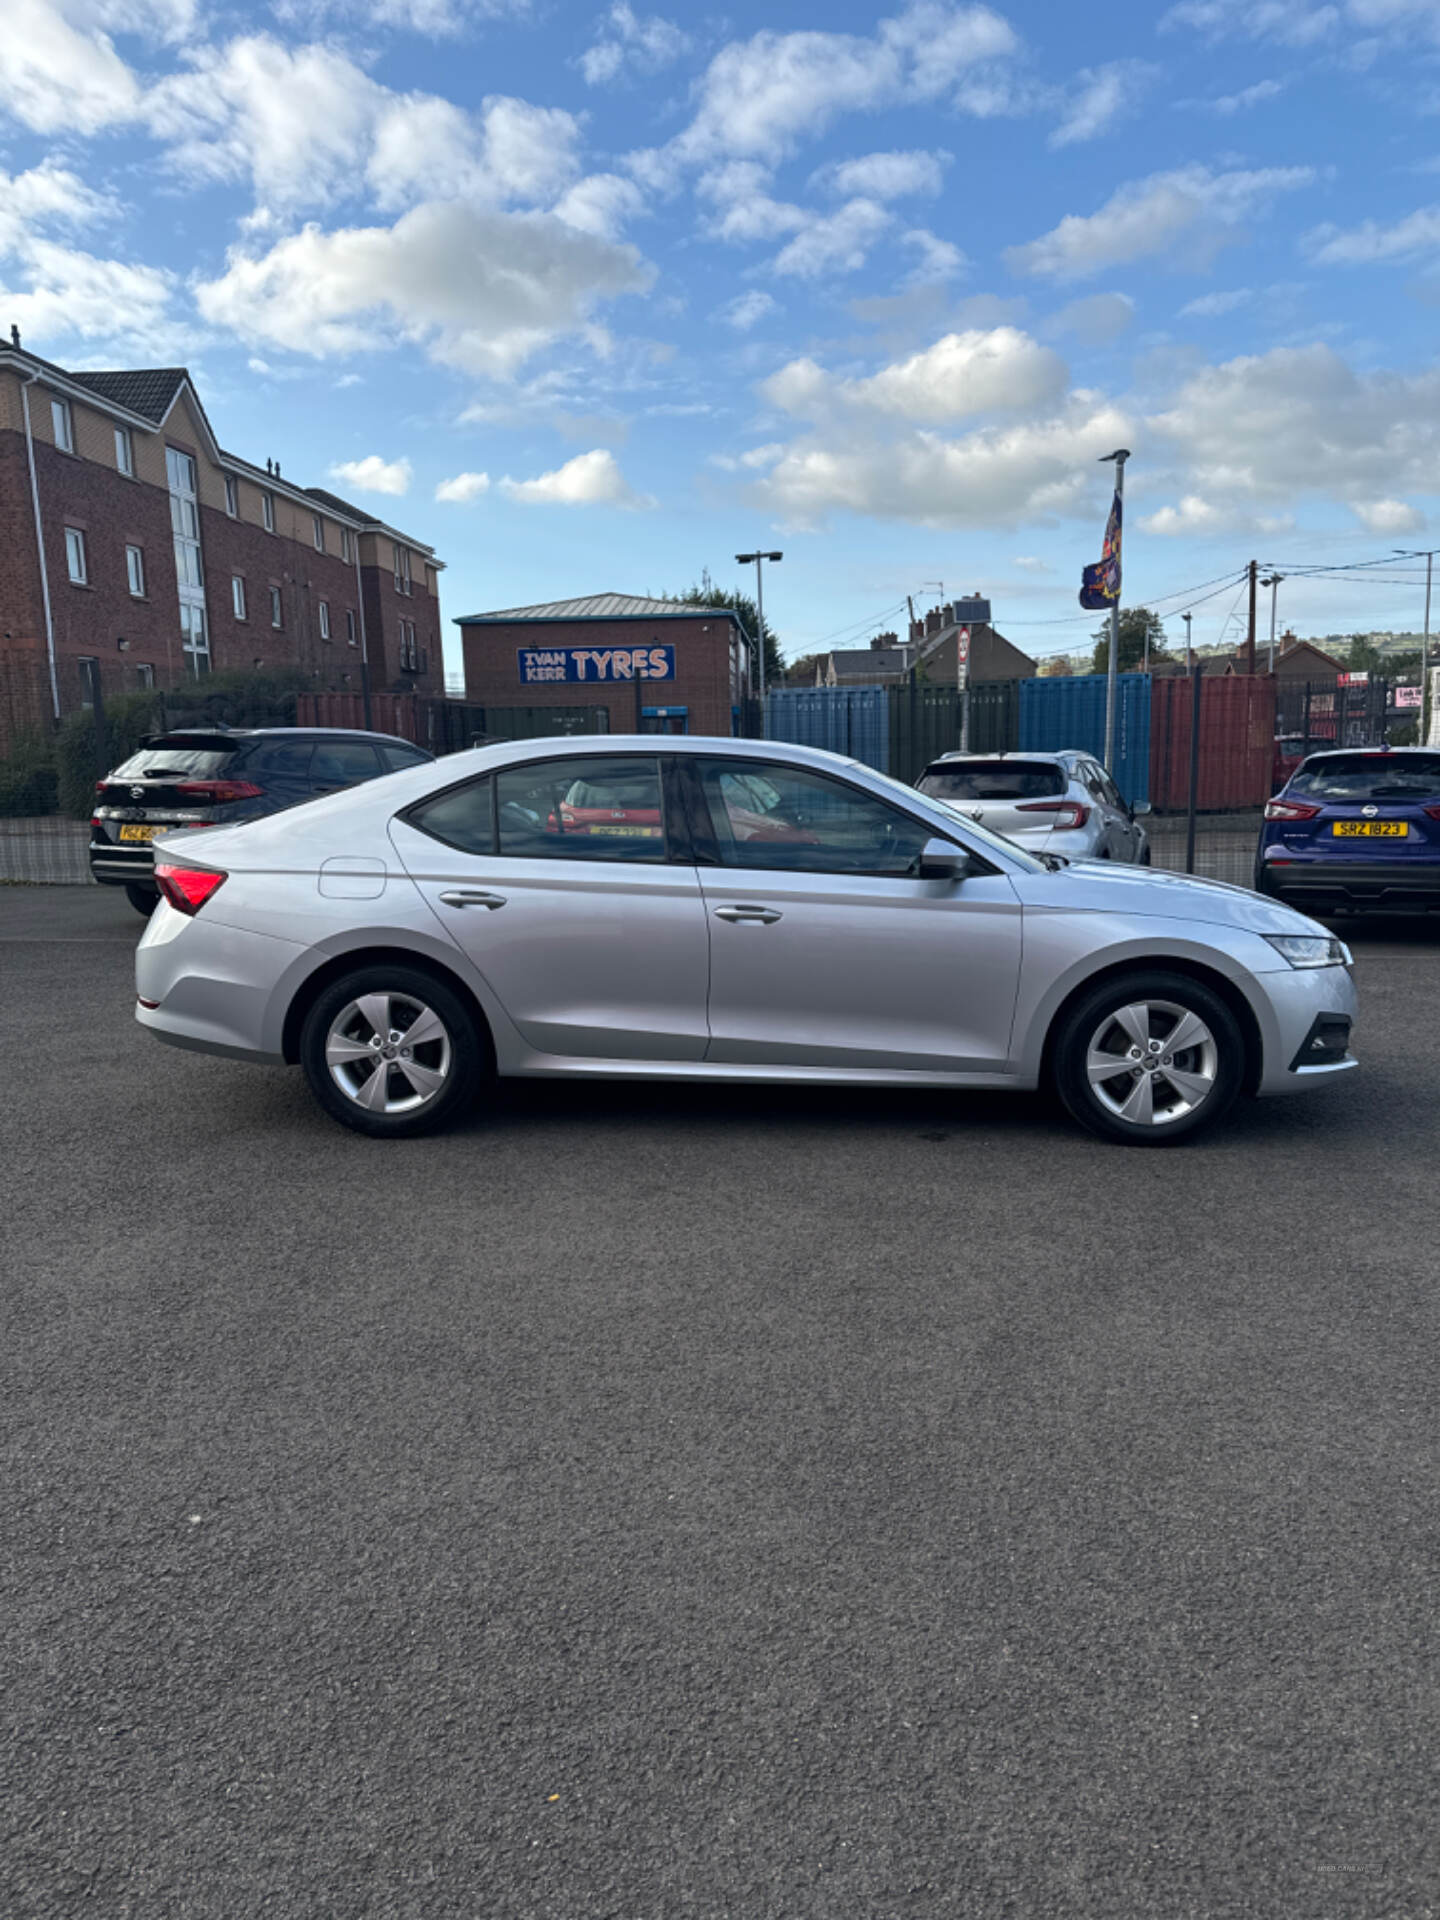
(144, 677)
(89, 678)
(237, 595)
(232, 496)
(324, 619)
(267, 511)
(402, 568)
(135, 570)
(350, 626)
(277, 617)
(75, 562)
(64, 427)
(180, 471)
(194, 639)
(347, 552)
(317, 527)
(124, 451)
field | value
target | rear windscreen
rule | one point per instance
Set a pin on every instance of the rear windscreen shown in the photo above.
(993, 780)
(190, 757)
(1369, 776)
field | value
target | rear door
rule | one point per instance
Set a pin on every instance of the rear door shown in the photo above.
(586, 920)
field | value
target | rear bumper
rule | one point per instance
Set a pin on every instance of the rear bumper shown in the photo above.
(213, 988)
(1375, 886)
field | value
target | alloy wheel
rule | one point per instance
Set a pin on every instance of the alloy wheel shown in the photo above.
(389, 1053)
(1152, 1062)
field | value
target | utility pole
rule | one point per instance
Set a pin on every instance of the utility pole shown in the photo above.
(1189, 653)
(1273, 582)
(1120, 456)
(743, 560)
(1427, 705)
(1247, 652)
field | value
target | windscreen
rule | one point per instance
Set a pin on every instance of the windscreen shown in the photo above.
(196, 757)
(1369, 776)
(992, 780)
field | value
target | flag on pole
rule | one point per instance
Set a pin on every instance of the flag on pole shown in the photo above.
(1100, 584)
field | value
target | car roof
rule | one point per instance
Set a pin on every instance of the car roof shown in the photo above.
(217, 732)
(1058, 755)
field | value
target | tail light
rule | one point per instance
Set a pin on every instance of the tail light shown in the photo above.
(187, 888)
(1068, 813)
(214, 793)
(1289, 810)
(99, 786)
(1432, 813)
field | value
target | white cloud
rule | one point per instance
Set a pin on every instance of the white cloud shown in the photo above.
(747, 310)
(1211, 305)
(1371, 244)
(479, 290)
(1193, 516)
(961, 374)
(43, 197)
(744, 207)
(435, 19)
(59, 71)
(885, 176)
(837, 242)
(590, 479)
(1095, 320)
(1229, 104)
(1100, 97)
(1371, 25)
(1388, 516)
(463, 488)
(939, 261)
(759, 97)
(374, 474)
(645, 43)
(508, 152)
(1189, 214)
(1031, 563)
(59, 293)
(601, 203)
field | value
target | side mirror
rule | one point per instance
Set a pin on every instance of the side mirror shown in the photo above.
(1140, 806)
(943, 860)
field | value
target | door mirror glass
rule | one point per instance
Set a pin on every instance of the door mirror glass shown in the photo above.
(1140, 806)
(943, 860)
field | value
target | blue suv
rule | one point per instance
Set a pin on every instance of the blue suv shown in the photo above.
(219, 776)
(1355, 831)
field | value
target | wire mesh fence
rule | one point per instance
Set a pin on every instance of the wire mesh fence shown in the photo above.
(45, 852)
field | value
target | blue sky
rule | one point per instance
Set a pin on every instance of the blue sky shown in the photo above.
(592, 298)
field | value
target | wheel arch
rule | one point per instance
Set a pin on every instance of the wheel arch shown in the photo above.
(352, 961)
(1218, 983)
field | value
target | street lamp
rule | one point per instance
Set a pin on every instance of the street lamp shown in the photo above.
(743, 560)
(1429, 559)
(1189, 656)
(1273, 582)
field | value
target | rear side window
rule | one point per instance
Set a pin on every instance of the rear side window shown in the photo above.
(1369, 776)
(288, 759)
(582, 809)
(463, 818)
(992, 780)
(341, 763)
(190, 758)
(394, 758)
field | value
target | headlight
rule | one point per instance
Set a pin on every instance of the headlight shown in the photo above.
(1311, 949)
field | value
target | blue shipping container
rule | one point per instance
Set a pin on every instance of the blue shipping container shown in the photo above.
(854, 721)
(1056, 713)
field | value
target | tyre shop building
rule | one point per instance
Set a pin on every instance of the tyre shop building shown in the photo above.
(651, 666)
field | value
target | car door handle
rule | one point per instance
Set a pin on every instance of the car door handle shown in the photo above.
(468, 897)
(766, 916)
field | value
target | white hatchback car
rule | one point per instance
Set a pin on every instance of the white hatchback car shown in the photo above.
(719, 910)
(1062, 802)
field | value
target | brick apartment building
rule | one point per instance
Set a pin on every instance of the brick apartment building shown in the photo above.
(649, 665)
(134, 549)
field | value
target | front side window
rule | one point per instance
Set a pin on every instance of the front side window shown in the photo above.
(135, 570)
(586, 808)
(777, 817)
(60, 421)
(124, 451)
(267, 511)
(277, 612)
(324, 619)
(76, 563)
(237, 595)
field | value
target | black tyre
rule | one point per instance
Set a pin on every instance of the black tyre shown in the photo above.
(391, 1050)
(1149, 1058)
(142, 899)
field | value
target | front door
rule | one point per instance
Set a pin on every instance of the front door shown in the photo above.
(827, 951)
(556, 878)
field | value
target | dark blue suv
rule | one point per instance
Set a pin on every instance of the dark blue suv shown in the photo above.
(1355, 830)
(218, 776)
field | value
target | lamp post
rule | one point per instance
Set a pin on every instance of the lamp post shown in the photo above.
(743, 560)
(1429, 559)
(1273, 582)
(1189, 655)
(1120, 456)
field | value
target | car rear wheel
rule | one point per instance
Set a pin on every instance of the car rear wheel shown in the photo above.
(390, 1051)
(1150, 1059)
(142, 899)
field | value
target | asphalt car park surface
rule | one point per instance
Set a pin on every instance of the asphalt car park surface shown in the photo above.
(657, 1501)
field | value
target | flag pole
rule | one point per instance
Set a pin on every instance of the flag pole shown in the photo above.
(1113, 664)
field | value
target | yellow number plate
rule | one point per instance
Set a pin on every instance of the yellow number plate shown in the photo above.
(145, 833)
(630, 833)
(1378, 829)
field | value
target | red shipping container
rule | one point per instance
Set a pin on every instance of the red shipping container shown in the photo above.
(1237, 742)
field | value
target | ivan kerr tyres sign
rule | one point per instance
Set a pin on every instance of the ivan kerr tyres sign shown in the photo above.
(539, 664)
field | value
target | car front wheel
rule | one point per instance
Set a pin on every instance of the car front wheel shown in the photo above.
(1149, 1059)
(390, 1051)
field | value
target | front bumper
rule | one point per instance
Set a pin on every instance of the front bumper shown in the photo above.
(1301, 1005)
(1353, 886)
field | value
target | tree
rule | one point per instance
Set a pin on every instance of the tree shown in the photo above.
(801, 672)
(1055, 666)
(1136, 623)
(707, 594)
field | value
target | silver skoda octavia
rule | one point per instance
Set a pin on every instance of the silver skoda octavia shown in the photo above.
(719, 910)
